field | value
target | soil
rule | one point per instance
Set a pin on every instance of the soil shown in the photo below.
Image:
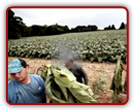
(94, 71)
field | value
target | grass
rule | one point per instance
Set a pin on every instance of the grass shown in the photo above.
(97, 85)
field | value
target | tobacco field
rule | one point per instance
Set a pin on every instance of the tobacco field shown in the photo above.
(100, 46)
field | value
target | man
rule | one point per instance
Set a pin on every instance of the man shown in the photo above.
(78, 71)
(24, 88)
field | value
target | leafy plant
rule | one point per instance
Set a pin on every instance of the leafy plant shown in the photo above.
(101, 46)
(97, 85)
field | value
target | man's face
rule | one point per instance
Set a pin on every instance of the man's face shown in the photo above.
(20, 76)
(68, 64)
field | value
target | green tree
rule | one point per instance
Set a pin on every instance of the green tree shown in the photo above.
(110, 27)
(15, 26)
(56, 29)
(113, 27)
(122, 26)
(66, 29)
(27, 31)
(36, 30)
(84, 28)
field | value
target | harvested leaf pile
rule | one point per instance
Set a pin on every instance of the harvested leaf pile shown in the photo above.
(62, 87)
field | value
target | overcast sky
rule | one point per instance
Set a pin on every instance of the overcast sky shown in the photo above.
(72, 17)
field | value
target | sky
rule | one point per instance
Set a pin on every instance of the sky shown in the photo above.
(72, 17)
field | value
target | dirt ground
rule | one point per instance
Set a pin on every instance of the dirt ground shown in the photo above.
(94, 71)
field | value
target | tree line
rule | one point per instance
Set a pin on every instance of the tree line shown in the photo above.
(122, 26)
(18, 29)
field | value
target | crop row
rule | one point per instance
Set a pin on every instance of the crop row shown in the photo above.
(100, 46)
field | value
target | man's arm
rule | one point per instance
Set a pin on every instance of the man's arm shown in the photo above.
(84, 75)
(12, 98)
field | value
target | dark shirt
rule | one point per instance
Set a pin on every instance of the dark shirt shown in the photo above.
(79, 73)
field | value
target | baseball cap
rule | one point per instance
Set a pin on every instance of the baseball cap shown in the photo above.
(14, 66)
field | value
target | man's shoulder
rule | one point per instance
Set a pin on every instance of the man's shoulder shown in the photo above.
(11, 83)
(11, 90)
(76, 65)
(36, 77)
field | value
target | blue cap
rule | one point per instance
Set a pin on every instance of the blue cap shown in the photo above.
(14, 66)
